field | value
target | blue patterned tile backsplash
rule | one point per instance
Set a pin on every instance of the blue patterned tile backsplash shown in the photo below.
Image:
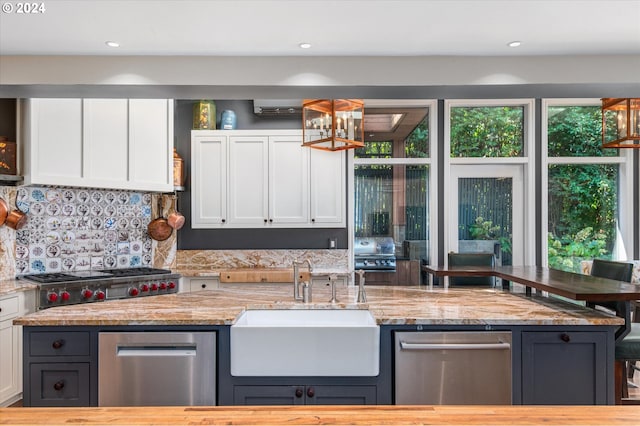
(82, 229)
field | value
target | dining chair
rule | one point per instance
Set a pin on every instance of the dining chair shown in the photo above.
(628, 349)
(472, 259)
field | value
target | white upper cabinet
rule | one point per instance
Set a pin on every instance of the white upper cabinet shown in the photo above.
(288, 180)
(248, 180)
(268, 181)
(327, 187)
(151, 143)
(105, 140)
(208, 179)
(100, 143)
(53, 141)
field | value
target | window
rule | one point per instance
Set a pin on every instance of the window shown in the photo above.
(585, 184)
(392, 179)
(487, 131)
(489, 177)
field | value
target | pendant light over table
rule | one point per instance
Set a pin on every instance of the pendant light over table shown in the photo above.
(620, 123)
(333, 124)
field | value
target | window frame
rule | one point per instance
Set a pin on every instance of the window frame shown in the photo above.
(431, 162)
(625, 176)
(527, 161)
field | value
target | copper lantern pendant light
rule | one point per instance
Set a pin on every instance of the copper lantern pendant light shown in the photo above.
(620, 123)
(333, 124)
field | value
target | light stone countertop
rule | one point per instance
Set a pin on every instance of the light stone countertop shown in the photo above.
(316, 272)
(13, 286)
(388, 305)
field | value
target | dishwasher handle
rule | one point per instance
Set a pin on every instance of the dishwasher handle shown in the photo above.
(452, 346)
(165, 350)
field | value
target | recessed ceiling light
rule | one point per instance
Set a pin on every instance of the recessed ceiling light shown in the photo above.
(514, 43)
(112, 44)
(305, 45)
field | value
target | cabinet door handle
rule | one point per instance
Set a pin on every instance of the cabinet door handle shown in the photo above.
(58, 385)
(57, 344)
(265, 221)
(565, 337)
(313, 220)
(204, 286)
(299, 393)
(311, 392)
(224, 220)
(270, 220)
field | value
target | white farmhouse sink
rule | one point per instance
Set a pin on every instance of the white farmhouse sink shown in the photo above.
(318, 342)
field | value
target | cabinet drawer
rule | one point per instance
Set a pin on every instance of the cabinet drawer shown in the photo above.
(60, 344)
(9, 307)
(60, 385)
(199, 284)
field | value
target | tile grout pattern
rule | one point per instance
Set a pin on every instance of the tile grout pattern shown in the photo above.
(71, 229)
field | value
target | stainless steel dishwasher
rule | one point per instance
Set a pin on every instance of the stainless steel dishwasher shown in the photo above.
(453, 367)
(156, 368)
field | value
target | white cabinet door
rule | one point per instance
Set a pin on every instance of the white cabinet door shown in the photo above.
(208, 179)
(151, 144)
(10, 362)
(248, 180)
(105, 140)
(328, 181)
(288, 180)
(53, 143)
(100, 143)
(12, 306)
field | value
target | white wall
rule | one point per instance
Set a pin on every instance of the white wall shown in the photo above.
(188, 76)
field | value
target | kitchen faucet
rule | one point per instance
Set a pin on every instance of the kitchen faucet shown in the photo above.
(306, 296)
(362, 296)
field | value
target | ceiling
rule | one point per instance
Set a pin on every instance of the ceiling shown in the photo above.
(333, 27)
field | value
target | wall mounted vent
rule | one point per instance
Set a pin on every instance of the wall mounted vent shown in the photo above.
(275, 107)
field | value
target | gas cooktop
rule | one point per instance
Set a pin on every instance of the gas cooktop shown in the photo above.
(59, 277)
(68, 288)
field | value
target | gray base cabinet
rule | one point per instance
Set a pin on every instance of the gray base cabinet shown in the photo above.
(60, 385)
(59, 368)
(565, 368)
(304, 395)
(550, 365)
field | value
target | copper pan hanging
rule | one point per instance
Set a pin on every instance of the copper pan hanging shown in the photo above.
(4, 211)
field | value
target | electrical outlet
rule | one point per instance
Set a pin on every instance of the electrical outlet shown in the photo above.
(333, 243)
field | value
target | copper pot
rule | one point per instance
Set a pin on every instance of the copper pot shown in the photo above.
(175, 219)
(16, 219)
(4, 211)
(159, 228)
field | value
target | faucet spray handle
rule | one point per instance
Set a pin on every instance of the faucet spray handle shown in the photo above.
(362, 296)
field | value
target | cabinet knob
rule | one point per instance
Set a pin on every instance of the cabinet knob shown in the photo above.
(299, 393)
(265, 221)
(224, 220)
(313, 219)
(204, 286)
(57, 344)
(58, 385)
(311, 392)
(270, 220)
(565, 337)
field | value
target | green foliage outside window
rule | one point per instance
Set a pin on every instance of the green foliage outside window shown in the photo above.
(417, 143)
(485, 230)
(487, 131)
(567, 252)
(583, 198)
(576, 131)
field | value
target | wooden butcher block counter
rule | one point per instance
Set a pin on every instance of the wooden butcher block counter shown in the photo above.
(327, 415)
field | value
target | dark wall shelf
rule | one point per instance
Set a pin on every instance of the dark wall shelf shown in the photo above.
(10, 179)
